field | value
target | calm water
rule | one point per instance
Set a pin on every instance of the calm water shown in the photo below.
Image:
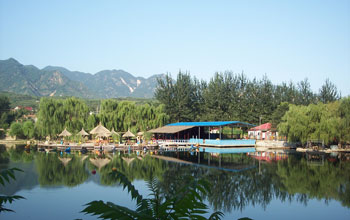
(269, 185)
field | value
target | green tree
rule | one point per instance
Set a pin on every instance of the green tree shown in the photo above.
(344, 123)
(279, 113)
(16, 129)
(4, 111)
(28, 129)
(181, 99)
(218, 97)
(306, 96)
(91, 122)
(295, 124)
(328, 92)
(266, 105)
(56, 114)
(165, 94)
(326, 122)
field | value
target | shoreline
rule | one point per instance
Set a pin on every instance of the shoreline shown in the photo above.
(262, 146)
(299, 149)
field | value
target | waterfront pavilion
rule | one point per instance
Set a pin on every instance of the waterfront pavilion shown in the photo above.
(200, 132)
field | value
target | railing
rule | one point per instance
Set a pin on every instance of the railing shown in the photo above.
(173, 141)
(223, 142)
(231, 142)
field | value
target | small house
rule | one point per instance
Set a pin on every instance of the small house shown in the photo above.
(262, 132)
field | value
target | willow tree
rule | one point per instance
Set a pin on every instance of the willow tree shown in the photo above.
(295, 124)
(56, 114)
(76, 113)
(326, 122)
(126, 115)
(344, 115)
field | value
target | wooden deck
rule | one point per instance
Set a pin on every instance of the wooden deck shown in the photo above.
(92, 146)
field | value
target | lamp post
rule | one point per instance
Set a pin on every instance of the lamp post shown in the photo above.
(260, 117)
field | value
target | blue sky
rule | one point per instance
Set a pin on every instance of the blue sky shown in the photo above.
(286, 40)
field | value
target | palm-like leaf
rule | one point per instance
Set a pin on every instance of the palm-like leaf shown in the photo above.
(6, 176)
(187, 204)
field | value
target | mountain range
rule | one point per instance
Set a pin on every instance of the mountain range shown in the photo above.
(59, 81)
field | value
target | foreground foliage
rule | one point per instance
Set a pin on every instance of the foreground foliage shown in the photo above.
(6, 176)
(187, 204)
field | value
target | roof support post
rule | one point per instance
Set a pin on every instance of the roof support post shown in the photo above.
(220, 132)
(199, 132)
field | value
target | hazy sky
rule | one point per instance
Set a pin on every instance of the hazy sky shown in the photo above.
(286, 40)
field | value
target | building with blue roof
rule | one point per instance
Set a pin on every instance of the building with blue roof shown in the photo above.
(204, 133)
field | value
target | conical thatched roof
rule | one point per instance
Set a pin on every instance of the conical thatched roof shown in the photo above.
(128, 160)
(83, 158)
(83, 132)
(100, 162)
(65, 161)
(65, 133)
(113, 132)
(128, 134)
(101, 131)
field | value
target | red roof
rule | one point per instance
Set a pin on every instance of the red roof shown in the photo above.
(29, 108)
(24, 107)
(263, 127)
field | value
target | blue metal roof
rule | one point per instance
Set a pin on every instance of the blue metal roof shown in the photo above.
(209, 123)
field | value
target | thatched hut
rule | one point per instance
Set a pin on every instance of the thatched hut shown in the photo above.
(128, 135)
(65, 133)
(83, 132)
(100, 131)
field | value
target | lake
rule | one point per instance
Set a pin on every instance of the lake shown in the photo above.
(259, 185)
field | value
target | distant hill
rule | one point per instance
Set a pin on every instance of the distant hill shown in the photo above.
(59, 81)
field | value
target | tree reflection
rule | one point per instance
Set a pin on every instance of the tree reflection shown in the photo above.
(293, 179)
(290, 180)
(4, 155)
(329, 181)
(52, 171)
(140, 168)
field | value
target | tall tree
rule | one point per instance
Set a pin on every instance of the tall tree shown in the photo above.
(165, 94)
(278, 114)
(180, 98)
(328, 92)
(217, 97)
(4, 111)
(306, 96)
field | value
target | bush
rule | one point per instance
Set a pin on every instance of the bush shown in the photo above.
(16, 130)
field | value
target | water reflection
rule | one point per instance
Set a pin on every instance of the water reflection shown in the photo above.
(238, 180)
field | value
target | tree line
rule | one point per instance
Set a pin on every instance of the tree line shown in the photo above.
(293, 109)
(229, 96)
(54, 115)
